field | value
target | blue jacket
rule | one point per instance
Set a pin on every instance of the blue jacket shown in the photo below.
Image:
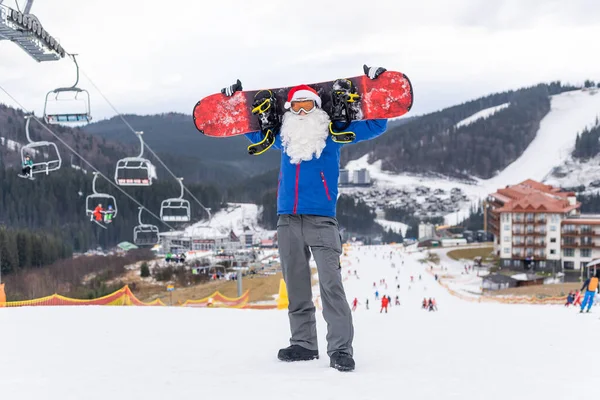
(311, 187)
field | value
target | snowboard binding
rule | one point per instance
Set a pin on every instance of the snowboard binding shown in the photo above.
(345, 108)
(265, 108)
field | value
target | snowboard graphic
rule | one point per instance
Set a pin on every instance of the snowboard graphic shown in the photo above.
(389, 95)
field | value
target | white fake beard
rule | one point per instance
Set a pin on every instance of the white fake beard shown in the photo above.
(304, 136)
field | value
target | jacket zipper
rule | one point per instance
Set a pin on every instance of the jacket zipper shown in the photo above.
(325, 185)
(297, 179)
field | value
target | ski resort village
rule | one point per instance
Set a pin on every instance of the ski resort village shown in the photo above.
(390, 200)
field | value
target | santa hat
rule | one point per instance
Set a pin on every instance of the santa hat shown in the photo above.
(302, 92)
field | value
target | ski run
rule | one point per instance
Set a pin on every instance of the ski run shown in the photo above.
(465, 350)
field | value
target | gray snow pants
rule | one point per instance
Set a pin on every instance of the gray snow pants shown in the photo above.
(298, 236)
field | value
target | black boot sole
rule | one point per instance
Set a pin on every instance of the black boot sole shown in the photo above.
(305, 358)
(342, 368)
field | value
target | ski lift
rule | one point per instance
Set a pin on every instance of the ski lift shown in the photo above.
(75, 94)
(126, 167)
(145, 234)
(176, 209)
(43, 149)
(103, 199)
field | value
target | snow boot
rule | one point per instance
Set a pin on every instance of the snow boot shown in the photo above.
(297, 353)
(341, 361)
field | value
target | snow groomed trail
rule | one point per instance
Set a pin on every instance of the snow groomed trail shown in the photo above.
(464, 351)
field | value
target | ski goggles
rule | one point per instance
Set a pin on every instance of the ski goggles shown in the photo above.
(307, 106)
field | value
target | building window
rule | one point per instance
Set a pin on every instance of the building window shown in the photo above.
(552, 240)
(585, 253)
(506, 263)
(568, 240)
(552, 251)
(582, 265)
(507, 250)
(505, 217)
(569, 265)
(506, 239)
(507, 227)
(552, 228)
(569, 252)
(554, 218)
(542, 264)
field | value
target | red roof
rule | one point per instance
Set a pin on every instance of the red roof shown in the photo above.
(534, 197)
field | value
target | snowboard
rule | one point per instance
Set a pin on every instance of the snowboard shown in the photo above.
(390, 95)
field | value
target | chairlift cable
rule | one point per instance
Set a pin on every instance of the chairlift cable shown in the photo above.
(146, 144)
(81, 157)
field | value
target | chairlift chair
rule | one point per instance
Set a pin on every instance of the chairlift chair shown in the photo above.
(43, 149)
(127, 165)
(176, 209)
(82, 115)
(145, 234)
(96, 198)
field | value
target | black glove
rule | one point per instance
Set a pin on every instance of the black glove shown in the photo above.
(373, 72)
(230, 90)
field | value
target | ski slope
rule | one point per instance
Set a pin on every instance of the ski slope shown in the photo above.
(485, 113)
(466, 351)
(571, 112)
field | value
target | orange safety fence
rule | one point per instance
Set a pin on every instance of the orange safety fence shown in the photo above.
(124, 297)
(218, 300)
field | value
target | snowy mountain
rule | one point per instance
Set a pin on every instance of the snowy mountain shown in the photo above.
(570, 113)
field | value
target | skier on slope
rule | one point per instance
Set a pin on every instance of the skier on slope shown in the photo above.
(306, 205)
(355, 303)
(384, 304)
(591, 286)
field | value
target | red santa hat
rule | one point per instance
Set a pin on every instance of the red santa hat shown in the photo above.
(302, 92)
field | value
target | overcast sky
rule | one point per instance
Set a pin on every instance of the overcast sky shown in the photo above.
(149, 56)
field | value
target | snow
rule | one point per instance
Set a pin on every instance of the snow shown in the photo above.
(236, 216)
(571, 112)
(485, 113)
(393, 225)
(466, 350)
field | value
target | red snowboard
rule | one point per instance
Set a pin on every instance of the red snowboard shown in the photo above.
(390, 95)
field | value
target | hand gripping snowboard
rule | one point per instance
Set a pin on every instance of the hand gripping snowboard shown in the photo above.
(389, 95)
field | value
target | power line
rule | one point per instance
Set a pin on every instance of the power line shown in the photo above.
(146, 145)
(83, 158)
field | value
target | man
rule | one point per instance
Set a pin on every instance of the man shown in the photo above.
(384, 304)
(592, 286)
(306, 205)
(98, 211)
(27, 166)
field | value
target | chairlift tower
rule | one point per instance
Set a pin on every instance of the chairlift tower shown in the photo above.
(26, 31)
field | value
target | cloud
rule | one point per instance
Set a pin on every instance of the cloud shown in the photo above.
(161, 57)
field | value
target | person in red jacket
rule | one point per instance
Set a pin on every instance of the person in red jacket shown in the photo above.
(384, 304)
(354, 304)
(98, 213)
(578, 298)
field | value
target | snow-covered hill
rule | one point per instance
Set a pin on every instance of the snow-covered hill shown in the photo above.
(485, 113)
(467, 351)
(571, 112)
(236, 217)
